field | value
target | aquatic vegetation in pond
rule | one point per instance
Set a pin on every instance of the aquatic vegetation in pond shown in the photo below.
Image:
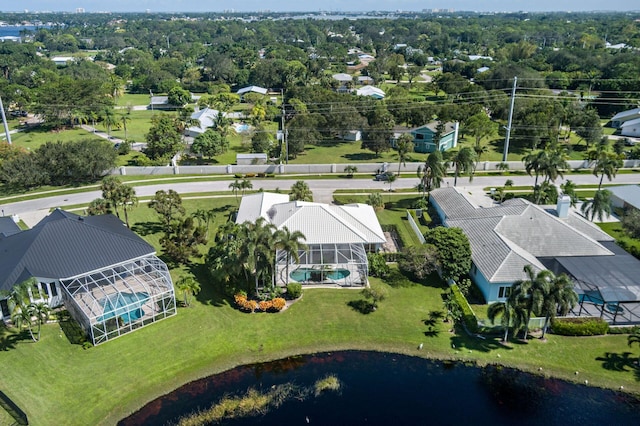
(328, 383)
(255, 403)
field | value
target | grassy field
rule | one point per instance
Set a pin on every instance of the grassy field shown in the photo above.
(48, 379)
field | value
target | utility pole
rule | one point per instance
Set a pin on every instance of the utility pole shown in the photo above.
(506, 140)
(284, 131)
(4, 122)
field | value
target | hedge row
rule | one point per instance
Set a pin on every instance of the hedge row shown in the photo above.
(580, 326)
(468, 316)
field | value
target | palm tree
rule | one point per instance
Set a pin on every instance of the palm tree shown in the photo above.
(257, 253)
(607, 165)
(245, 184)
(350, 170)
(390, 179)
(598, 206)
(463, 161)
(569, 188)
(535, 162)
(110, 120)
(510, 316)
(20, 317)
(110, 187)
(235, 186)
(432, 172)
(189, 287)
(559, 300)
(404, 146)
(126, 196)
(124, 119)
(300, 192)
(291, 244)
(40, 311)
(556, 162)
(530, 293)
(204, 218)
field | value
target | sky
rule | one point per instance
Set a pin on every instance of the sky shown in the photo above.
(326, 5)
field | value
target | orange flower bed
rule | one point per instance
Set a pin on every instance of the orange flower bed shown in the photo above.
(265, 305)
(278, 304)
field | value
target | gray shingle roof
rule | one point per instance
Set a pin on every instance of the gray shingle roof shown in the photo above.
(504, 238)
(65, 245)
(629, 193)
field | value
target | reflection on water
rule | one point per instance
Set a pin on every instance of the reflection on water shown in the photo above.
(383, 389)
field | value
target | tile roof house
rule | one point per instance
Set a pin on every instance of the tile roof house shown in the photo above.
(106, 276)
(506, 237)
(338, 237)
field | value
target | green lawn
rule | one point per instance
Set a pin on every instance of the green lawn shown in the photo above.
(56, 382)
(35, 137)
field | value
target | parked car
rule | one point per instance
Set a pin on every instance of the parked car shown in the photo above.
(18, 113)
(383, 176)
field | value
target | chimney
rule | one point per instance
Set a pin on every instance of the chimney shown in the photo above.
(564, 202)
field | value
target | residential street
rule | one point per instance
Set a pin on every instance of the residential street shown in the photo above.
(322, 188)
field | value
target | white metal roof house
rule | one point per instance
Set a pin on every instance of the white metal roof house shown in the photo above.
(631, 128)
(108, 278)
(252, 89)
(206, 117)
(338, 237)
(625, 196)
(371, 91)
(506, 237)
(620, 118)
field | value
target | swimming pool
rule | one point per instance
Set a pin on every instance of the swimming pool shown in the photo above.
(316, 275)
(128, 306)
(240, 128)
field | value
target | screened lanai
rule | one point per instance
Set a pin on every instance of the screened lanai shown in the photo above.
(340, 264)
(116, 300)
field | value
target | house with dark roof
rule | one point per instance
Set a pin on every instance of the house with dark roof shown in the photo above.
(506, 237)
(337, 238)
(8, 226)
(107, 277)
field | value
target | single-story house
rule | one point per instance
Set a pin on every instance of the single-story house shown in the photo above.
(424, 137)
(253, 158)
(371, 91)
(626, 196)
(482, 69)
(622, 117)
(16, 39)
(506, 237)
(206, 117)
(337, 237)
(107, 277)
(631, 128)
(352, 135)
(363, 80)
(344, 79)
(62, 60)
(162, 102)
(251, 89)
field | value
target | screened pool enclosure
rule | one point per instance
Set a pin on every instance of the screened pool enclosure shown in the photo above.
(339, 264)
(119, 299)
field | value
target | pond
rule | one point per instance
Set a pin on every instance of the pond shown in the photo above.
(382, 389)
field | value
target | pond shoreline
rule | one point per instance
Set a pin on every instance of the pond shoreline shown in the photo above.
(221, 367)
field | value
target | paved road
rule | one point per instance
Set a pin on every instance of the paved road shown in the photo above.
(320, 186)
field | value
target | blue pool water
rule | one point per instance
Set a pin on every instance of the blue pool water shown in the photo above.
(124, 305)
(310, 274)
(241, 128)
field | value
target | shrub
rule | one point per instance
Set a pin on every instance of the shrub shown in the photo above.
(468, 316)
(238, 176)
(278, 304)
(271, 175)
(250, 175)
(265, 305)
(623, 330)
(377, 265)
(580, 326)
(294, 290)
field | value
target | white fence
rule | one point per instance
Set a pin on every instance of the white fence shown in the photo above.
(415, 227)
(320, 168)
